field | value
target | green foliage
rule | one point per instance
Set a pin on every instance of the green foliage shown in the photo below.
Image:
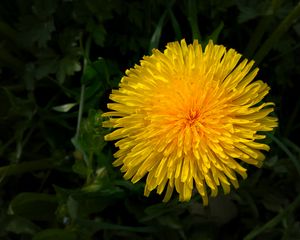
(34, 206)
(59, 61)
(55, 233)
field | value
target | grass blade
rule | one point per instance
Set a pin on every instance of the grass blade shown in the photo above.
(287, 151)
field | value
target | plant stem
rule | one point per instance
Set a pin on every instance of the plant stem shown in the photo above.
(86, 60)
(81, 105)
(275, 36)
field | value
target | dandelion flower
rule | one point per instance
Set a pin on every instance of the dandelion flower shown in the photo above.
(187, 117)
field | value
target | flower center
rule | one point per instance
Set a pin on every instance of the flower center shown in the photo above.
(193, 116)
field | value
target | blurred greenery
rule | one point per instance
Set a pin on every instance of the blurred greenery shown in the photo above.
(59, 60)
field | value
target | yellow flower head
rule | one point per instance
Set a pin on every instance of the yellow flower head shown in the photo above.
(188, 117)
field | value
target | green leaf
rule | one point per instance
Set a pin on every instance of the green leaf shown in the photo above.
(275, 220)
(192, 15)
(88, 200)
(273, 202)
(20, 225)
(96, 80)
(79, 166)
(222, 209)
(67, 67)
(281, 145)
(44, 8)
(90, 140)
(96, 73)
(97, 31)
(72, 206)
(154, 41)
(252, 9)
(47, 63)
(89, 74)
(35, 31)
(55, 233)
(34, 206)
(157, 210)
(99, 225)
(215, 34)
(99, 35)
(176, 25)
(65, 107)
(169, 221)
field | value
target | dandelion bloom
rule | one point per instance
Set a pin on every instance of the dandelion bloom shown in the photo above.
(187, 117)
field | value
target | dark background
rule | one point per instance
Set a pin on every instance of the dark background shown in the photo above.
(59, 60)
